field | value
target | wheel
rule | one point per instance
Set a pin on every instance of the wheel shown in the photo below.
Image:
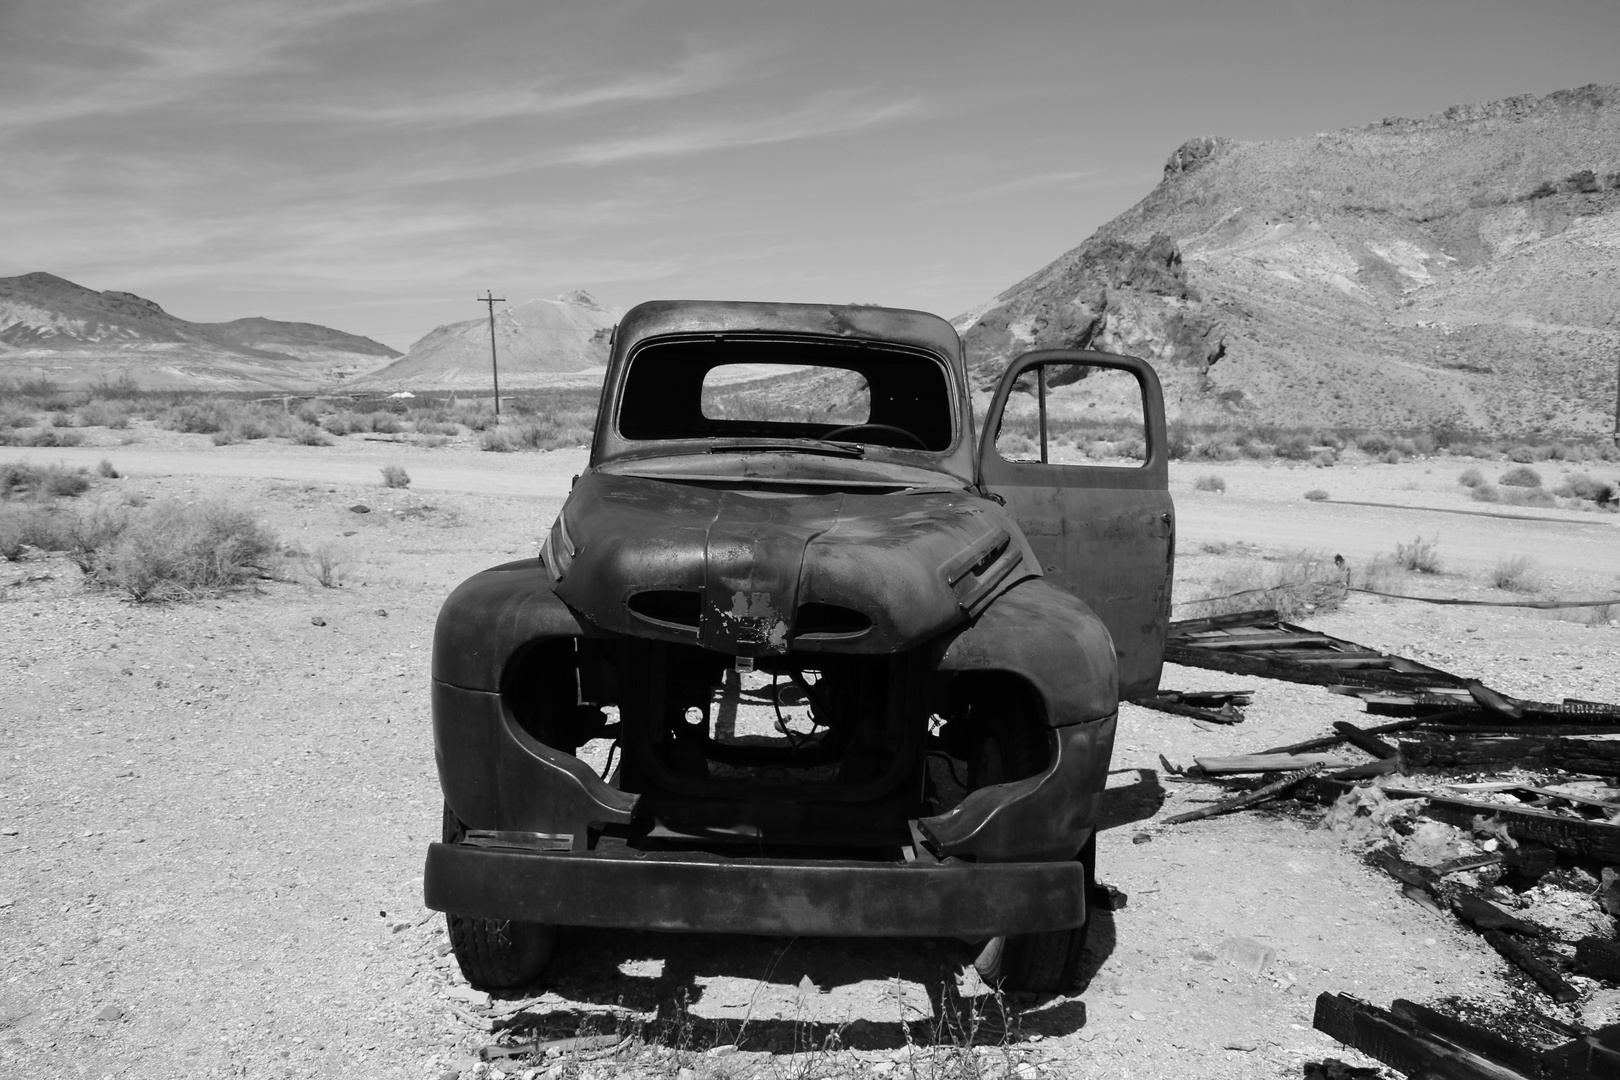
(1044, 962)
(496, 954)
(849, 429)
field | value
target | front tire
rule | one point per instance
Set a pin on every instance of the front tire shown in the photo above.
(496, 954)
(1046, 962)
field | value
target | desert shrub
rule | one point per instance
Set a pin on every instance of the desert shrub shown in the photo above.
(1178, 443)
(1403, 446)
(395, 476)
(1254, 448)
(99, 412)
(1514, 573)
(1381, 573)
(1316, 495)
(170, 550)
(433, 442)
(1522, 476)
(384, 423)
(30, 526)
(61, 419)
(1210, 482)
(342, 423)
(197, 417)
(1526, 455)
(324, 565)
(1295, 584)
(1486, 493)
(424, 426)
(311, 411)
(1471, 478)
(1528, 497)
(1391, 457)
(19, 478)
(309, 435)
(1325, 458)
(1588, 488)
(1293, 448)
(1372, 443)
(104, 469)
(51, 437)
(1419, 556)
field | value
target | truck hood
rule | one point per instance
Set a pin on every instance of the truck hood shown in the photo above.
(760, 572)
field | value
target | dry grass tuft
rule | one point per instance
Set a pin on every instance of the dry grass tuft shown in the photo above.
(1521, 476)
(1210, 482)
(170, 550)
(395, 476)
(1515, 573)
(1419, 556)
(1298, 583)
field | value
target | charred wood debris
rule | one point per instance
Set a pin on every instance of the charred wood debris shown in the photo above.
(1560, 809)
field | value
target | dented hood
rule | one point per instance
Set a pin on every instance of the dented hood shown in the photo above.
(758, 572)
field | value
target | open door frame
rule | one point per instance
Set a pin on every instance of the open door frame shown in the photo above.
(1104, 533)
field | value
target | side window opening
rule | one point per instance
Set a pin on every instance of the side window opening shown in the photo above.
(1068, 413)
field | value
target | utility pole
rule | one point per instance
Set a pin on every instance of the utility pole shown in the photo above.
(494, 368)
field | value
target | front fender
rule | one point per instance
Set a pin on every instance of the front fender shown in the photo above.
(492, 614)
(1052, 641)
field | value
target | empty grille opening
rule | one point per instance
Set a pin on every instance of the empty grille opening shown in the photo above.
(669, 606)
(829, 619)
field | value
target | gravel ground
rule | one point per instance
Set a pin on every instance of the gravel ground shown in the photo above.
(213, 818)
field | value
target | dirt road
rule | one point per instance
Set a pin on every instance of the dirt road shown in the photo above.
(213, 818)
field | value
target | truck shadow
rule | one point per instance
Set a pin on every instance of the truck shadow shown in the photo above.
(786, 995)
(793, 995)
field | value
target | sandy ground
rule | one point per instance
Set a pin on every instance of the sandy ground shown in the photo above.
(213, 816)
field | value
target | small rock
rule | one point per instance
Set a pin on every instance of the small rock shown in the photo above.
(110, 1013)
(685, 1074)
(808, 986)
(1142, 838)
(9, 830)
(882, 1068)
(360, 508)
(722, 1051)
(1138, 1016)
(382, 613)
(1246, 1045)
(1248, 954)
(6, 901)
(316, 620)
(467, 994)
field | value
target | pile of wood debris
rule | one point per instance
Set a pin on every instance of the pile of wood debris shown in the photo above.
(1529, 790)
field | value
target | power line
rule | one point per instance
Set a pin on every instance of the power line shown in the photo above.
(491, 299)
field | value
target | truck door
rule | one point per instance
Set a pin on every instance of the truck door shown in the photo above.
(1074, 444)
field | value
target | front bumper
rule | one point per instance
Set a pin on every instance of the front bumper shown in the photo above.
(695, 891)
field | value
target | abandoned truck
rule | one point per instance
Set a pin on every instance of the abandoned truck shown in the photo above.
(854, 671)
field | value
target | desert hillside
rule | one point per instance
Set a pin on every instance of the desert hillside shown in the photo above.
(536, 341)
(1459, 269)
(52, 328)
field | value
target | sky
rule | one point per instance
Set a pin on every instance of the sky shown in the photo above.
(375, 165)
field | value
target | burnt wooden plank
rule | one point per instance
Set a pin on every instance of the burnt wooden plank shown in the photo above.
(1263, 617)
(1596, 757)
(1487, 1044)
(1523, 958)
(1366, 740)
(1593, 839)
(1326, 742)
(1403, 1044)
(1251, 798)
(1462, 752)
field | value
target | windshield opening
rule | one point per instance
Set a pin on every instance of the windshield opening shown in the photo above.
(742, 388)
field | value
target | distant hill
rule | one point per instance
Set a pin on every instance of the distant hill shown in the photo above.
(54, 329)
(1463, 268)
(535, 342)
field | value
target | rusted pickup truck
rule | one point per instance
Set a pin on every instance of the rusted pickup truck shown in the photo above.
(801, 655)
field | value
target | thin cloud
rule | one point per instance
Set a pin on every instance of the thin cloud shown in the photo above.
(824, 116)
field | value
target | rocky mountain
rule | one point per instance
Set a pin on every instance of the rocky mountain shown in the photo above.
(54, 329)
(1461, 269)
(535, 342)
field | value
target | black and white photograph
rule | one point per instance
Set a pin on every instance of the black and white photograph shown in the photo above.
(899, 540)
